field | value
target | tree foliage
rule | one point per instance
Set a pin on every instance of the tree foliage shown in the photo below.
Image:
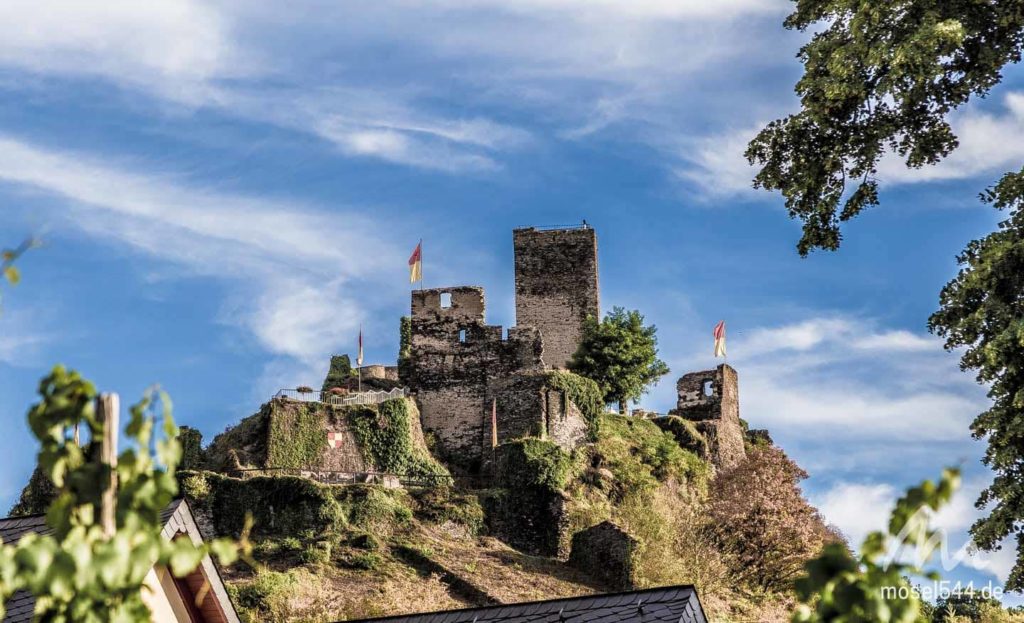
(982, 310)
(766, 528)
(620, 353)
(882, 75)
(839, 587)
(77, 573)
(339, 372)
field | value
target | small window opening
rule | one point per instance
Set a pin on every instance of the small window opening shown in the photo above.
(462, 335)
(446, 300)
(709, 388)
(504, 334)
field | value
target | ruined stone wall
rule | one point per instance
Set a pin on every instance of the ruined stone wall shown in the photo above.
(609, 553)
(453, 356)
(527, 407)
(556, 286)
(711, 400)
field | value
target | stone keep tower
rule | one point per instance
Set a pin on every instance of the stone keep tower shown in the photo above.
(711, 400)
(556, 286)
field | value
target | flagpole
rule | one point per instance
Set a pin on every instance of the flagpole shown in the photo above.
(421, 264)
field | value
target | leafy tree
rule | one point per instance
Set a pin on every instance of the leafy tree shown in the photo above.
(339, 372)
(968, 605)
(620, 353)
(982, 309)
(881, 76)
(78, 573)
(765, 527)
(838, 586)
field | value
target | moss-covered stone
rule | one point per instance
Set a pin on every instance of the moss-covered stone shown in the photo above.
(640, 455)
(297, 437)
(279, 505)
(583, 392)
(685, 433)
(527, 509)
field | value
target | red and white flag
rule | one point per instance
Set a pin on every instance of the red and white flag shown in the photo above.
(416, 264)
(720, 339)
(359, 357)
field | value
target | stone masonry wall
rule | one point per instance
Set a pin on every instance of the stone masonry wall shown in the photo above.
(607, 552)
(453, 355)
(527, 407)
(711, 400)
(556, 286)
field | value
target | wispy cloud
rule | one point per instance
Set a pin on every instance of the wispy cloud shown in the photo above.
(858, 508)
(291, 269)
(850, 395)
(172, 48)
(989, 144)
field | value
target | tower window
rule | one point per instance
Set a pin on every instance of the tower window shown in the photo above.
(709, 388)
(446, 300)
(462, 335)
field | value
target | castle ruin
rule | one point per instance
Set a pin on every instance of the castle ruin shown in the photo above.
(478, 385)
(711, 400)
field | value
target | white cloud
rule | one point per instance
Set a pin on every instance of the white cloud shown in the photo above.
(716, 164)
(291, 269)
(639, 9)
(173, 47)
(857, 508)
(21, 335)
(989, 144)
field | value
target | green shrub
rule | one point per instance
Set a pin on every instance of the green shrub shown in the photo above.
(439, 505)
(36, 496)
(685, 433)
(317, 553)
(194, 486)
(532, 463)
(280, 505)
(365, 541)
(339, 372)
(265, 593)
(375, 509)
(365, 560)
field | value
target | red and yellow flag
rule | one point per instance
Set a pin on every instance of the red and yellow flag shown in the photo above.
(416, 264)
(720, 339)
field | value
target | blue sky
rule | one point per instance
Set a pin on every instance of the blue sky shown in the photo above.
(227, 191)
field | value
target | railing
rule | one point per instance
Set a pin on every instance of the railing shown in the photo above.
(583, 225)
(333, 477)
(342, 400)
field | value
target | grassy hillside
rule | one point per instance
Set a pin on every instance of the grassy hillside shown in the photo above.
(340, 552)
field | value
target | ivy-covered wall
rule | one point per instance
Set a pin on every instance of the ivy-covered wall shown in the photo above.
(386, 436)
(191, 448)
(297, 435)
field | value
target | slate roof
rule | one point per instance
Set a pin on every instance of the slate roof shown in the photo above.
(675, 604)
(176, 519)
